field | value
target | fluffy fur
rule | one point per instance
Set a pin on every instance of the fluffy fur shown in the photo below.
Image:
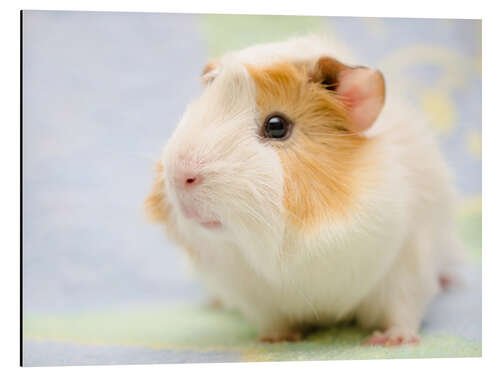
(328, 225)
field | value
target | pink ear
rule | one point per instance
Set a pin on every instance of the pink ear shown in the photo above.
(363, 91)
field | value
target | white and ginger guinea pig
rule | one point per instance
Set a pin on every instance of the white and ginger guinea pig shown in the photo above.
(305, 197)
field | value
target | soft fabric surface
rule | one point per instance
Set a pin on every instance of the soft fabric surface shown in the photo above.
(103, 91)
(196, 334)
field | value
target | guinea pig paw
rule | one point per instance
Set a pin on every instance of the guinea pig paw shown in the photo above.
(289, 336)
(392, 337)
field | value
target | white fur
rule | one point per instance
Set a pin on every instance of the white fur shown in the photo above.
(381, 265)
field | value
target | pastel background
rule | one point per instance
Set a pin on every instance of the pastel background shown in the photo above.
(101, 94)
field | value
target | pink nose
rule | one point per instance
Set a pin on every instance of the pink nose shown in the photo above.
(187, 175)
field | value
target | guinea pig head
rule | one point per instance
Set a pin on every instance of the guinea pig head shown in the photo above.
(267, 148)
(218, 176)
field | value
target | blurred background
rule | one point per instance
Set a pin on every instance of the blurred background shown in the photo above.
(103, 91)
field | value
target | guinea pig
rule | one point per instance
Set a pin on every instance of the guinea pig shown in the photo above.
(304, 195)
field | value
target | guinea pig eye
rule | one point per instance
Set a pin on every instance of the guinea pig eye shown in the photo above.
(276, 126)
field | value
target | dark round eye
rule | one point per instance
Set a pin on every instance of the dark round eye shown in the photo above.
(276, 126)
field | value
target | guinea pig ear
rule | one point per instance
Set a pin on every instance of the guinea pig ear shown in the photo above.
(209, 72)
(361, 89)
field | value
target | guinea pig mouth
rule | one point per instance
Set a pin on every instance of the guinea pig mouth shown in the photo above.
(191, 213)
(211, 224)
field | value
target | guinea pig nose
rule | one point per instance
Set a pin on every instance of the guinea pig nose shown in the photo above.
(187, 179)
(191, 180)
(187, 175)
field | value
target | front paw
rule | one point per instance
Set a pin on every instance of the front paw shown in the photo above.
(394, 336)
(289, 336)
